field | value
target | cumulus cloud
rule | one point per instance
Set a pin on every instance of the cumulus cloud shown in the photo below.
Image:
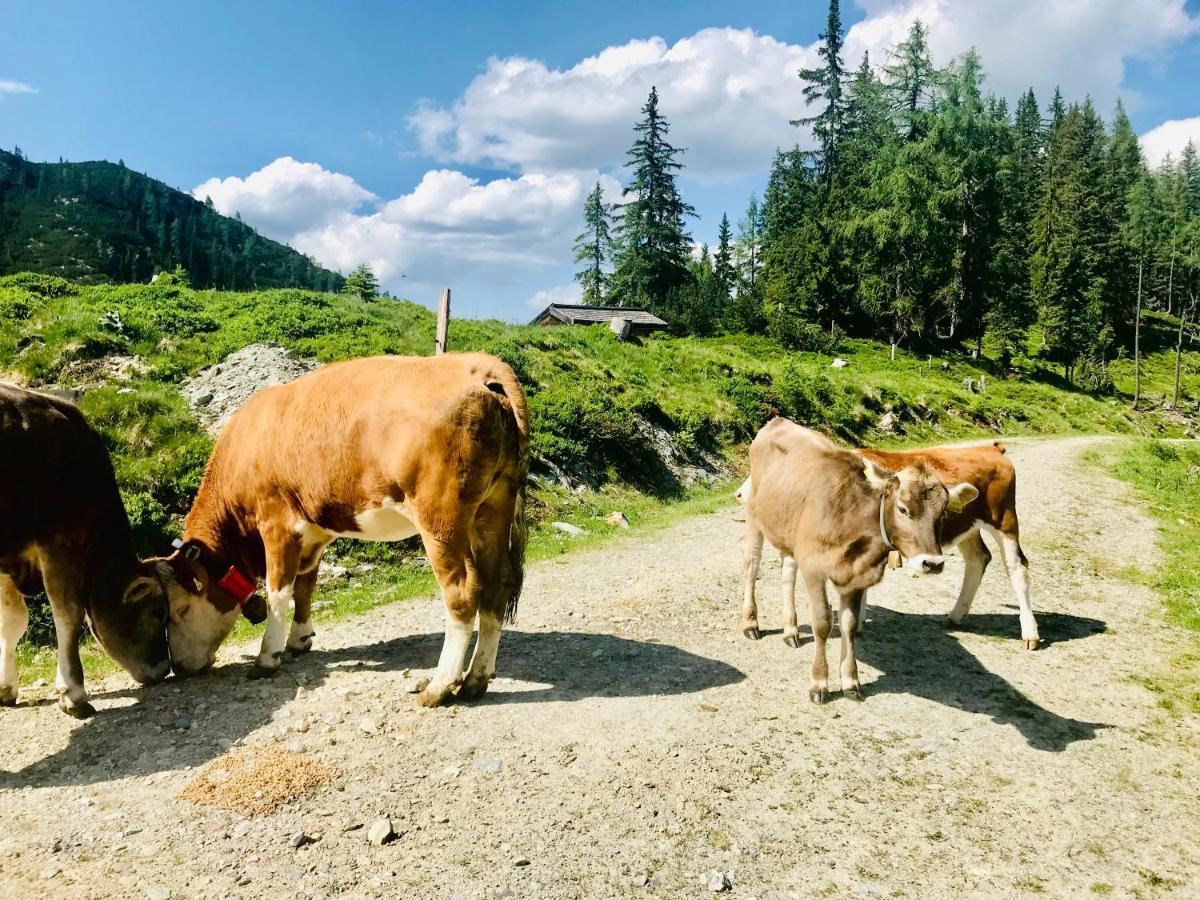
(563, 293)
(16, 87)
(1081, 45)
(1170, 137)
(286, 197)
(450, 226)
(728, 94)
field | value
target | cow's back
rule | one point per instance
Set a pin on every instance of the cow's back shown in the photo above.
(340, 436)
(56, 471)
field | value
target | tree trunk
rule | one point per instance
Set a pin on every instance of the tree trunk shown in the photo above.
(1183, 314)
(1137, 343)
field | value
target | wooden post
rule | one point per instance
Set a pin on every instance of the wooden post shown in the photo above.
(443, 323)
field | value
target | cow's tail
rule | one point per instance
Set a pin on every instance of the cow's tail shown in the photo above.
(502, 380)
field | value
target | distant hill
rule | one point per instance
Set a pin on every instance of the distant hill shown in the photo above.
(97, 222)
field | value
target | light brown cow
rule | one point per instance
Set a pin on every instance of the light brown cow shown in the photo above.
(63, 530)
(994, 511)
(835, 516)
(378, 449)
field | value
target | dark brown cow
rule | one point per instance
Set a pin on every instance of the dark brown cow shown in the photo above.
(378, 449)
(994, 511)
(836, 516)
(63, 530)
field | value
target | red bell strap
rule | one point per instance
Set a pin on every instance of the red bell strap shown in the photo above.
(238, 585)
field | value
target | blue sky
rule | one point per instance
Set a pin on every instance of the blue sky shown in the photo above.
(452, 143)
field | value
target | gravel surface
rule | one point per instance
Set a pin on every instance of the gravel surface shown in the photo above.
(636, 745)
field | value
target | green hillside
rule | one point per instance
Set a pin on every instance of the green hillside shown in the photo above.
(97, 222)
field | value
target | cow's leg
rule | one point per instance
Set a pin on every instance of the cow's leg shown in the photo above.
(283, 562)
(791, 629)
(490, 549)
(976, 556)
(1018, 573)
(300, 636)
(850, 613)
(66, 605)
(818, 608)
(14, 618)
(454, 566)
(751, 560)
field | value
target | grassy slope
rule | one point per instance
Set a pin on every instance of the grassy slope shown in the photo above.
(1167, 477)
(588, 394)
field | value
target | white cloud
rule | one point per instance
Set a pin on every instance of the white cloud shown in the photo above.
(1080, 45)
(563, 293)
(16, 87)
(449, 227)
(1170, 137)
(727, 93)
(286, 197)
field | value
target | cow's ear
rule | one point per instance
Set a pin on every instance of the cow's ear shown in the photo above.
(961, 495)
(143, 588)
(179, 570)
(876, 477)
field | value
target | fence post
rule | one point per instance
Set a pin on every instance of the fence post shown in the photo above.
(443, 323)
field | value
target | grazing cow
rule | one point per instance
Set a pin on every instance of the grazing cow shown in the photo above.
(994, 511)
(64, 530)
(378, 449)
(835, 516)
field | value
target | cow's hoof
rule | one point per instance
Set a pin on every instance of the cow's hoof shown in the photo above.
(752, 632)
(301, 646)
(258, 671)
(952, 622)
(854, 693)
(472, 689)
(81, 710)
(1032, 643)
(817, 696)
(431, 699)
(792, 640)
(8, 696)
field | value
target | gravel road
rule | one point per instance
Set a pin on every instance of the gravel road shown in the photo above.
(637, 745)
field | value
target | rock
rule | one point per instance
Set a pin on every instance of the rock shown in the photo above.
(451, 771)
(381, 833)
(300, 839)
(839, 363)
(159, 892)
(889, 423)
(521, 861)
(217, 392)
(717, 882)
(370, 726)
(50, 872)
(568, 528)
(488, 765)
(617, 520)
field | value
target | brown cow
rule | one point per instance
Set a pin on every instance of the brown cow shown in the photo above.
(63, 530)
(378, 449)
(994, 511)
(835, 516)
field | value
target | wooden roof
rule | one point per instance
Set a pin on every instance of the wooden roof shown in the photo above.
(579, 314)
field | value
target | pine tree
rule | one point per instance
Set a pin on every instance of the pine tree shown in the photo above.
(825, 84)
(723, 259)
(653, 244)
(593, 246)
(362, 283)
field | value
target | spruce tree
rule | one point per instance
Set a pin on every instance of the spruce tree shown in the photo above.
(723, 259)
(362, 283)
(653, 244)
(593, 246)
(911, 80)
(824, 87)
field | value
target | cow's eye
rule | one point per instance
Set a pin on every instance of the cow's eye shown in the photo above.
(903, 510)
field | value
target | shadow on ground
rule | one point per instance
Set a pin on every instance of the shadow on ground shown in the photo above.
(146, 737)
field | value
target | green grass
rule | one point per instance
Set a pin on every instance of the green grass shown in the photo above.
(590, 396)
(1166, 476)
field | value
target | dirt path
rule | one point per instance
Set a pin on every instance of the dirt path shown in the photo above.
(643, 744)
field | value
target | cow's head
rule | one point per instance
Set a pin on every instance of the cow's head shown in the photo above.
(200, 614)
(914, 501)
(133, 632)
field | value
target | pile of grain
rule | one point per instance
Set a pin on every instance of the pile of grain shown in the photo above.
(255, 780)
